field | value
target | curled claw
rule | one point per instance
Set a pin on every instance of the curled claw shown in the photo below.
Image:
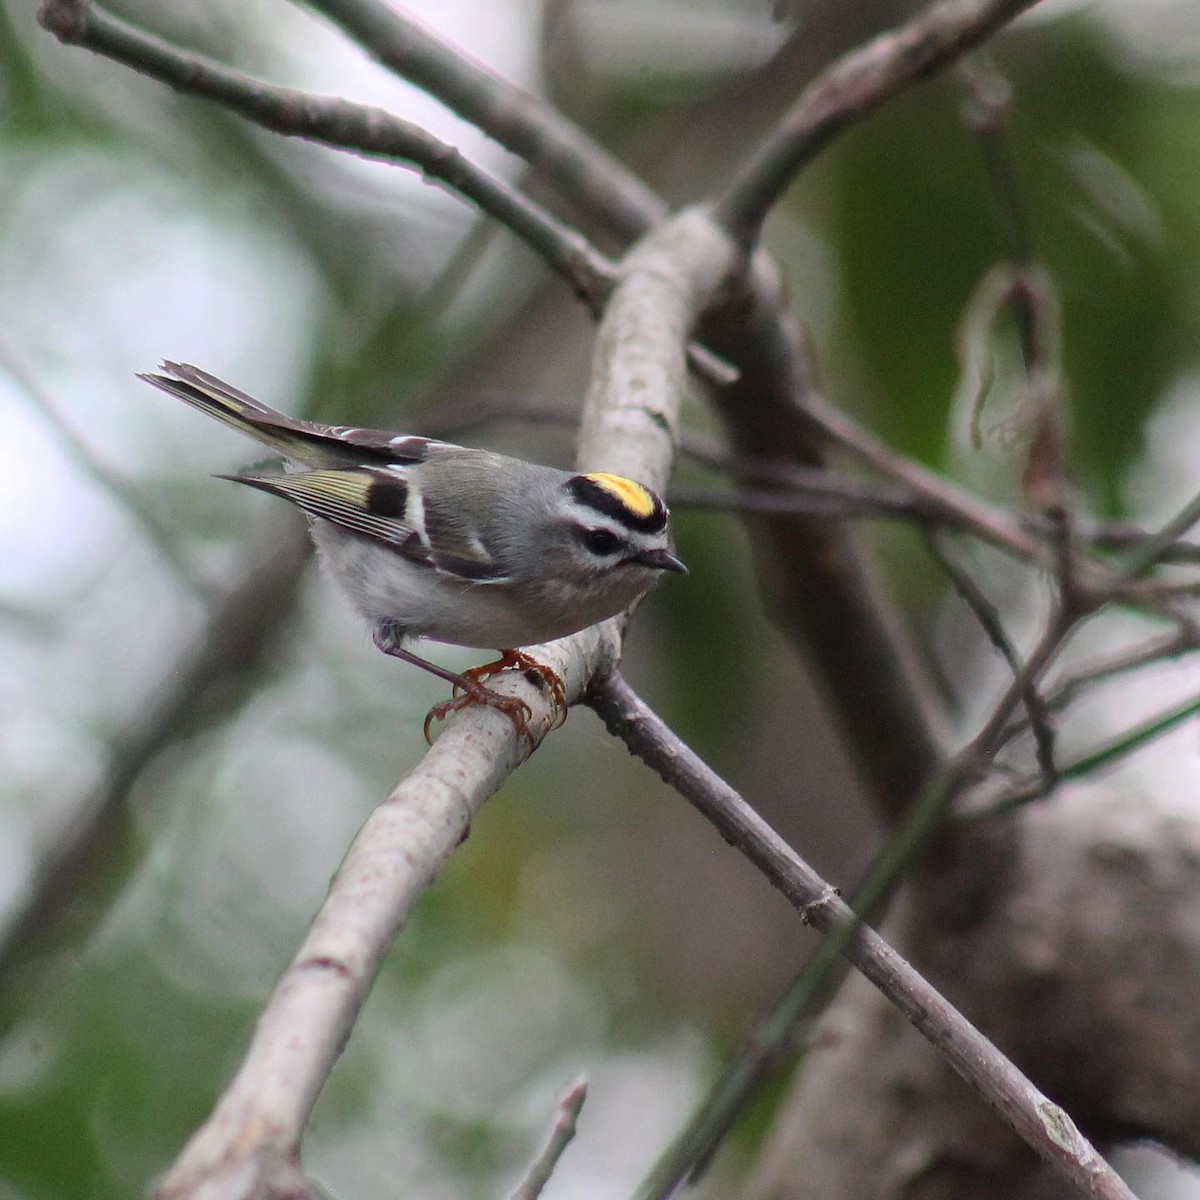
(515, 709)
(469, 689)
(537, 673)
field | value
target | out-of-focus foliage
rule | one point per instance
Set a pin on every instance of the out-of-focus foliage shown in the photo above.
(589, 921)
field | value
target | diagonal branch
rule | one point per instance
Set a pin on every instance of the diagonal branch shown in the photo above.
(857, 83)
(567, 158)
(249, 1145)
(1036, 709)
(73, 884)
(342, 124)
(1041, 1123)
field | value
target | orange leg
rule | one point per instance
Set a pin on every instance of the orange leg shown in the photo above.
(468, 688)
(537, 673)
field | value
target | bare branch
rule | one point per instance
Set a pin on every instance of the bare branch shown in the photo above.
(1159, 544)
(1041, 1123)
(561, 1134)
(342, 124)
(986, 108)
(857, 83)
(987, 616)
(1130, 741)
(399, 852)
(566, 157)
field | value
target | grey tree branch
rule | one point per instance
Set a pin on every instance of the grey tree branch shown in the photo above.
(836, 610)
(570, 1103)
(859, 82)
(1036, 709)
(570, 161)
(249, 1145)
(1042, 1124)
(332, 121)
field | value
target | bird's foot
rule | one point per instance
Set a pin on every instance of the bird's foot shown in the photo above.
(469, 689)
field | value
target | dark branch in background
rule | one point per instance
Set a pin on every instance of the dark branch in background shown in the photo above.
(927, 499)
(989, 619)
(986, 109)
(1036, 1119)
(74, 884)
(917, 829)
(817, 587)
(779, 1033)
(1152, 652)
(859, 82)
(1130, 741)
(1154, 548)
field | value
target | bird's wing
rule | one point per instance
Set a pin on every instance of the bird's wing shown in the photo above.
(375, 503)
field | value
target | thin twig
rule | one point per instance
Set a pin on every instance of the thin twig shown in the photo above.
(1151, 652)
(1021, 538)
(1040, 1123)
(362, 129)
(561, 1134)
(814, 983)
(834, 497)
(926, 498)
(989, 619)
(1156, 546)
(986, 109)
(1125, 535)
(1124, 744)
(819, 976)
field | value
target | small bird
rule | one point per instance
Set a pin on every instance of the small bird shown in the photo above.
(437, 541)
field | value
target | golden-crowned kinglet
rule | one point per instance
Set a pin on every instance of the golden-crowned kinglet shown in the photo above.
(432, 540)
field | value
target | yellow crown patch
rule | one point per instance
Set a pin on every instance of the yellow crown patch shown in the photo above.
(638, 499)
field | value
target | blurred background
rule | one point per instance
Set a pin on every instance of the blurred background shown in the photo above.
(233, 730)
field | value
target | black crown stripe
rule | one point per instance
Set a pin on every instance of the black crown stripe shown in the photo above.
(650, 517)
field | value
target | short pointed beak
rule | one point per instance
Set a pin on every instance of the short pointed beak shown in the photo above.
(660, 560)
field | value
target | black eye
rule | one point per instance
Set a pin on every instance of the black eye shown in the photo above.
(601, 542)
